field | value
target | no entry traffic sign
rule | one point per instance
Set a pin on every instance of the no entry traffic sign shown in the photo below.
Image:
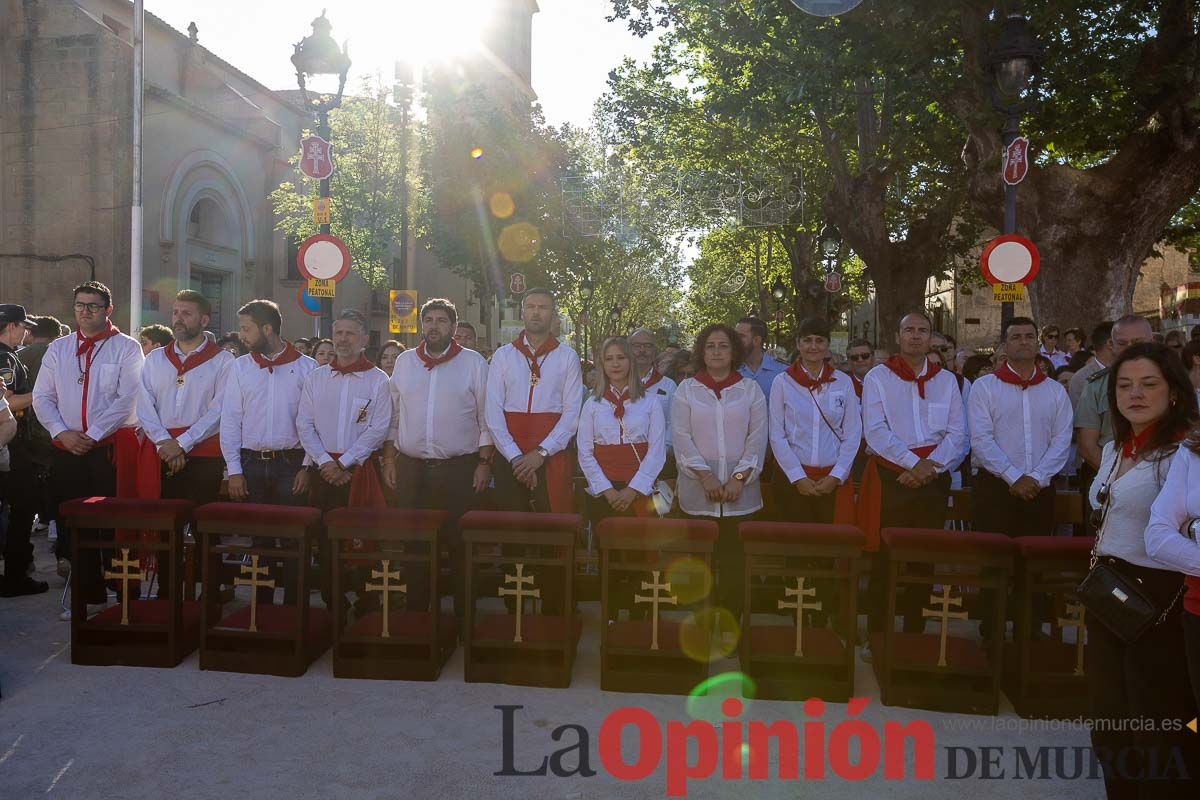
(1010, 259)
(323, 257)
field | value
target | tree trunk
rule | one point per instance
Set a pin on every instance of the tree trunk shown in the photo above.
(899, 290)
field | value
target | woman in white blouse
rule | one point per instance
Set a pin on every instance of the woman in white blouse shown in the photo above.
(719, 429)
(621, 439)
(1152, 406)
(816, 428)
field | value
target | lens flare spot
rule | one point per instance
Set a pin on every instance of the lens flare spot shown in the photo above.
(477, 153)
(702, 641)
(690, 579)
(519, 242)
(708, 700)
(502, 205)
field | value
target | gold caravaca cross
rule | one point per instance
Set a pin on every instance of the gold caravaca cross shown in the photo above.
(654, 600)
(125, 564)
(944, 615)
(386, 587)
(1077, 623)
(254, 570)
(800, 593)
(520, 593)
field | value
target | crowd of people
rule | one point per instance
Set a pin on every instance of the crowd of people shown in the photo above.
(726, 431)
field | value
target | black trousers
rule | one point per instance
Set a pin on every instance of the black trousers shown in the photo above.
(20, 492)
(198, 481)
(901, 507)
(729, 563)
(795, 507)
(88, 475)
(1086, 476)
(441, 485)
(512, 495)
(1145, 680)
(621, 590)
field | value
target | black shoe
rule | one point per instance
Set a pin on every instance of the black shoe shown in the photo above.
(21, 586)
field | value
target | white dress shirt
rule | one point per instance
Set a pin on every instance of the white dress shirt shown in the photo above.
(664, 391)
(112, 384)
(163, 404)
(722, 437)
(259, 407)
(643, 422)
(801, 436)
(1178, 504)
(896, 420)
(509, 388)
(1017, 432)
(1130, 497)
(439, 413)
(344, 413)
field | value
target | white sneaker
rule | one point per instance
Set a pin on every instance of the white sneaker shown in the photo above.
(52, 533)
(867, 655)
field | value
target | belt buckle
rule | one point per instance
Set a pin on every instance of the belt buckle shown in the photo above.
(266, 455)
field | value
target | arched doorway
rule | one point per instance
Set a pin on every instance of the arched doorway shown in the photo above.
(213, 266)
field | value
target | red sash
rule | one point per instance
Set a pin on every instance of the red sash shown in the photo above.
(366, 491)
(528, 431)
(620, 462)
(843, 501)
(869, 502)
(1191, 600)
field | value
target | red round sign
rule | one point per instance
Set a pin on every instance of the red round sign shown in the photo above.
(323, 258)
(1010, 259)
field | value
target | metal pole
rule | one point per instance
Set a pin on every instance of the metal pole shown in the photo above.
(326, 318)
(135, 220)
(1012, 130)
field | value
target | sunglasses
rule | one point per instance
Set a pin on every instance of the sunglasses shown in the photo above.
(861, 357)
(1097, 518)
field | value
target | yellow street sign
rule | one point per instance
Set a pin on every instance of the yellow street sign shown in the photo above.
(402, 311)
(322, 210)
(318, 288)
(1008, 292)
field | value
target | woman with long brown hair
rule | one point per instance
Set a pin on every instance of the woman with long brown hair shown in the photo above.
(1152, 407)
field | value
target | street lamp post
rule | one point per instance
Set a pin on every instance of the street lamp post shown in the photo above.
(586, 288)
(614, 318)
(831, 245)
(405, 80)
(319, 54)
(778, 291)
(1013, 61)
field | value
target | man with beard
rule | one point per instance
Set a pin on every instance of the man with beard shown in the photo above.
(84, 396)
(439, 450)
(344, 414)
(179, 410)
(259, 439)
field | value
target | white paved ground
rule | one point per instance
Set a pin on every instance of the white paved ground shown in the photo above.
(114, 732)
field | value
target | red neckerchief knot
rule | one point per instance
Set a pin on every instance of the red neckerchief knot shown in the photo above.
(432, 361)
(618, 400)
(800, 375)
(1007, 374)
(85, 344)
(731, 379)
(655, 377)
(535, 367)
(206, 352)
(361, 364)
(288, 355)
(903, 371)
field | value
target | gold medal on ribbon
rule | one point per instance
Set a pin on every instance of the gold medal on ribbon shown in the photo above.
(179, 381)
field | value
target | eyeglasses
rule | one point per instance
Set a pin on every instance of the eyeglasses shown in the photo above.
(860, 357)
(91, 308)
(1050, 336)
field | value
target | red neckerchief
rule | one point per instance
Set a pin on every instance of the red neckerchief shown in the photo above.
(1009, 375)
(858, 385)
(800, 375)
(1132, 447)
(201, 355)
(289, 354)
(903, 371)
(361, 365)
(655, 377)
(432, 361)
(535, 367)
(704, 378)
(618, 400)
(85, 344)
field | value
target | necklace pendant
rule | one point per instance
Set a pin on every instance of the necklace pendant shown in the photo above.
(80, 381)
(533, 380)
(179, 381)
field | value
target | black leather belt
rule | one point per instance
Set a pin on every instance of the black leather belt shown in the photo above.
(271, 455)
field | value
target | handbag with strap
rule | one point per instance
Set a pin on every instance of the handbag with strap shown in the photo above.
(1122, 602)
(662, 498)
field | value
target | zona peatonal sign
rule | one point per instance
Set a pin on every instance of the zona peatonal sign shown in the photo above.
(1009, 263)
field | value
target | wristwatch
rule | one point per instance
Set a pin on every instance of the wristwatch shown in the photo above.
(541, 451)
(1192, 530)
(742, 476)
(486, 460)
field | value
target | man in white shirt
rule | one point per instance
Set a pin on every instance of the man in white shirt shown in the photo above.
(1020, 425)
(913, 421)
(259, 439)
(343, 417)
(84, 396)
(179, 411)
(438, 454)
(533, 399)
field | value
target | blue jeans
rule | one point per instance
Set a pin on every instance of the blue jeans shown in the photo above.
(270, 481)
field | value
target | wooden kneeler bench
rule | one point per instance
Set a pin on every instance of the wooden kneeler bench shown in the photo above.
(518, 560)
(258, 638)
(1045, 676)
(654, 653)
(807, 567)
(939, 671)
(136, 632)
(397, 642)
